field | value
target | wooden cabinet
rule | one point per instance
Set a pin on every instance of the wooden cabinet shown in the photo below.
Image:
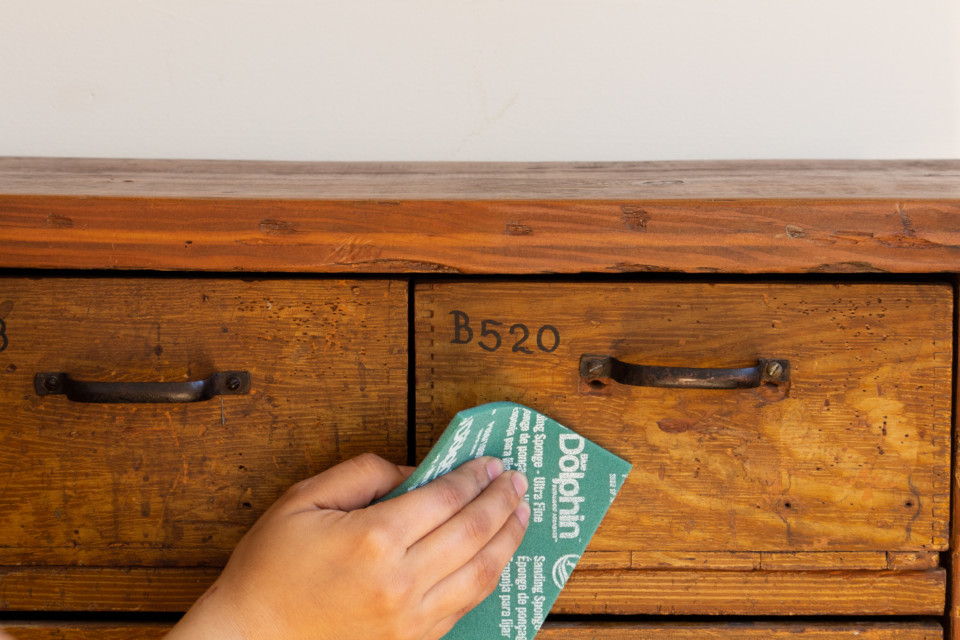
(370, 303)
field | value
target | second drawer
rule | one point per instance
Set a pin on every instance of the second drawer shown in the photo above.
(844, 468)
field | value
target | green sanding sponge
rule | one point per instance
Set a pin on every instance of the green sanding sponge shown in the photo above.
(572, 483)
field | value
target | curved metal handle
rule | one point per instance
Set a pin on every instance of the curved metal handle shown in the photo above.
(224, 383)
(768, 371)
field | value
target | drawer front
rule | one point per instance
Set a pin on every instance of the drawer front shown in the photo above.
(851, 460)
(178, 484)
(562, 631)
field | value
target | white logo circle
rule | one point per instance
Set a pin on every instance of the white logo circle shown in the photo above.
(562, 568)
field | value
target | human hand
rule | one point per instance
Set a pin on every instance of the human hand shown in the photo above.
(321, 564)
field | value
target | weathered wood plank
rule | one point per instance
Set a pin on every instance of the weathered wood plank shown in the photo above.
(855, 456)
(480, 236)
(605, 560)
(754, 592)
(179, 484)
(561, 631)
(802, 561)
(85, 630)
(761, 561)
(102, 588)
(693, 592)
(741, 631)
(717, 560)
(482, 180)
(912, 560)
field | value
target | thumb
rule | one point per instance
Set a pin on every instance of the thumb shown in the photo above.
(352, 484)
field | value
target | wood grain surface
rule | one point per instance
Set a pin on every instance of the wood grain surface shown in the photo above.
(488, 236)
(179, 484)
(831, 498)
(755, 561)
(482, 180)
(731, 217)
(853, 457)
(562, 631)
(741, 631)
(675, 592)
(708, 592)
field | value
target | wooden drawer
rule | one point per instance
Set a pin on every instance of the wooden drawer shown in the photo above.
(830, 495)
(176, 485)
(562, 631)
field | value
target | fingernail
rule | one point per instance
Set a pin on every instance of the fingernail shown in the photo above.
(523, 512)
(494, 468)
(520, 483)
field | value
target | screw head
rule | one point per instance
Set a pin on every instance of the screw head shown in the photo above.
(594, 367)
(233, 383)
(51, 382)
(774, 369)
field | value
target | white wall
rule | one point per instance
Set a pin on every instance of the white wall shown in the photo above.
(480, 79)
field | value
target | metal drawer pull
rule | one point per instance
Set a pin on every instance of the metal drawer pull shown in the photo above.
(767, 371)
(226, 383)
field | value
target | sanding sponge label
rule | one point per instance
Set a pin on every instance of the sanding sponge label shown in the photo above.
(572, 484)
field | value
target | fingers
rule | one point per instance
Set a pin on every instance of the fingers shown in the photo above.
(352, 484)
(454, 543)
(469, 585)
(422, 510)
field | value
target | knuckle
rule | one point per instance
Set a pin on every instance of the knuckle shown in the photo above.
(516, 531)
(395, 599)
(449, 494)
(368, 462)
(374, 542)
(298, 487)
(508, 494)
(403, 584)
(476, 526)
(295, 491)
(486, 572)
(387, 597)
(478, 471)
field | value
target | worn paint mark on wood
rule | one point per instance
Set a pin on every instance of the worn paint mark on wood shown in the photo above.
(635, 218)
(518, 229)
(277, 227)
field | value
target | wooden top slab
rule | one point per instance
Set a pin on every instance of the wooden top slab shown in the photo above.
(482, 218)
(830, 179)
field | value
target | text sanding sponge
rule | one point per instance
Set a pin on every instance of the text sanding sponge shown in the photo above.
(572, 484)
